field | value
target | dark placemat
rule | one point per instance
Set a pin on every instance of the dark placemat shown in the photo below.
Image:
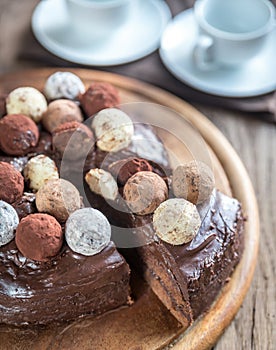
(151, 69)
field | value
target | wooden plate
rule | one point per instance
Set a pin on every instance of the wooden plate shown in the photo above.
(147, 325)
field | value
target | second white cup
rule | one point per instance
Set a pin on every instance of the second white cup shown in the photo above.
(231, 31)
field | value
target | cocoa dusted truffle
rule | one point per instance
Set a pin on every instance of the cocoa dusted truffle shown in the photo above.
(73, 140)
(193, 181)
(144, 192)
(39, 237)
(11, 183)
(59, 198)
(18, 134)
(60, 112)
(99, 96)
(123, 169)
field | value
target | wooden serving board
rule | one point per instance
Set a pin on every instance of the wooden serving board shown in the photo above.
(147, 325)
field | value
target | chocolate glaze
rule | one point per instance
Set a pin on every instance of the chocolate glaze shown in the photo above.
(25, 205)
(68, 286)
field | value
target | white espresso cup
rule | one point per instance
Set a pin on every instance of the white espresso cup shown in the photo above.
(230, 32)
(97, 19)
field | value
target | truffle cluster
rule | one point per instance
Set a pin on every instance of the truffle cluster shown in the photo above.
(44, 212)
(38, 209)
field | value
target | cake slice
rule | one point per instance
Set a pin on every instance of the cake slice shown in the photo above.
(65, 288)
(201, 267)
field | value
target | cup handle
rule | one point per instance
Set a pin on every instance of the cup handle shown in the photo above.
(203, 53)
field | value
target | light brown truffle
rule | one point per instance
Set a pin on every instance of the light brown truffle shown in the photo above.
(60, 112)
(58, 198)
(193, 181)
(39, 237)
(73, 140)
(11, 183)
(144, 192)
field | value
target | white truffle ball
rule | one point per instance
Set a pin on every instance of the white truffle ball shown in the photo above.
(39, 170)
(8, 223)
(176, 221)
(63, 85)
(113, 129)
(102, 182)
(87, 231)
(28, 101)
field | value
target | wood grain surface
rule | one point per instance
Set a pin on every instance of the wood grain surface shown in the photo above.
(254, 326)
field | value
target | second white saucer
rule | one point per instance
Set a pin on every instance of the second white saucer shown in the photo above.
(254, 78)
(138, 37)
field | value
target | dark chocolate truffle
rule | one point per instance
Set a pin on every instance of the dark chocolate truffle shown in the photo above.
(39, 237)
(123, 169)
(18, 134)
(73, 140)
(11, 183)
(99, 96)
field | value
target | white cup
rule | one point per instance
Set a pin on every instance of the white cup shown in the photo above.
(97, 19)
(230, 32)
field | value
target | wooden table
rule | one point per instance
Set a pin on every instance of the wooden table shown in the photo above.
(254, 140)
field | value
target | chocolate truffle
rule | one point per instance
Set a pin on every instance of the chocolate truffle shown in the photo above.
(58, 198)
(113, 129)
(25, 205)
(87, 231)
(99, 96)
(123, 169)
(176, 221)
(102, 183)
(144, 192)
(39, 237)
(18, 134)
(73, 140)
(39, 170)
(28, 101)
(193, 181)
(8, 223)
(11, 183)
(63, 85)
(60, 112)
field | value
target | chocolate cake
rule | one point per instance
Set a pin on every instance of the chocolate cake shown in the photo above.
(185, 267)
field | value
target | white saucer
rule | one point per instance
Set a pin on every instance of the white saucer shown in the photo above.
(138, 37)
(256, 77)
